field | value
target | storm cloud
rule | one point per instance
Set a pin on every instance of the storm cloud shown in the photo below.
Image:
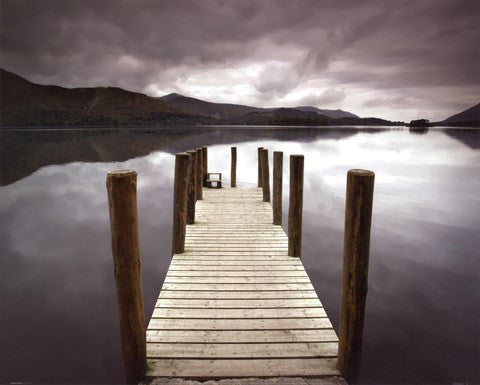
(398, 60)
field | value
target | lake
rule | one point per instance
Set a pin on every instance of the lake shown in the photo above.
(58, 312)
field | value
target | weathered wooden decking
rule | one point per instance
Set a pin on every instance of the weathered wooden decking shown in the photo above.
(235, 304)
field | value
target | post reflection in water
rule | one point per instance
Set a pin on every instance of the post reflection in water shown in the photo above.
(59, 313)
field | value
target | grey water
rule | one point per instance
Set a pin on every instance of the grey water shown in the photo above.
(58, 312)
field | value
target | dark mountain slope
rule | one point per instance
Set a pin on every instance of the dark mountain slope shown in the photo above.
(23, 103)
(469, 117)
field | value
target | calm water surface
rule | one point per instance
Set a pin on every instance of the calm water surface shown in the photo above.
(58, 316)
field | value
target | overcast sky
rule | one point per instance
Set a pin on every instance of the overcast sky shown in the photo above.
(398, 60)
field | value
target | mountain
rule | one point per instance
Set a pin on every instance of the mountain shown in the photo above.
(200, 107)
(469, 117)
(335, 114)
(23, 103)
(282, 117)
(226, 111)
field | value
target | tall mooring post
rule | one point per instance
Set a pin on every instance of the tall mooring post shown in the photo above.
(358, 219)
(180, 189)
(265, 174)
(122, 204)
(295, 207)
(199, 190)
(259, 167)
(192, 186)
(277, 187)
(233, 169)
(204, 165)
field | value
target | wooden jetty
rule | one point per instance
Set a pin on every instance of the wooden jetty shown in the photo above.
(236, 301)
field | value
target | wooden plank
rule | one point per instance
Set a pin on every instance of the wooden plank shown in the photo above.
(235, 280)
(206, 369)
(261, 259)
(273, 268)
(238, 303)
(244, 242)
(215, 295)
(249, 273)
(247, 229)
(233, 254)
(241, 336)
(238, 286)
(247, 262)
(239, 324)
(268, 249)
(223, 224)
(220, 239)
(233, 351)
(309, 312)
(237, 239)
(219, 256)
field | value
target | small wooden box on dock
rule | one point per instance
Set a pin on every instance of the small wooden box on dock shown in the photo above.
(214, 182)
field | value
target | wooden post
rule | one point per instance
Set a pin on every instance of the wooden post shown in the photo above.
(192, 188)
(233, 170)
(199, 190)
(358, 219)
(122, 204)
(180, 188)
(295, 206)
(265, 175)
(204, 165)
(277, 187)
(259, 167)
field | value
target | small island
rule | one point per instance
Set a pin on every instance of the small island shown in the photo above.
(420, 123)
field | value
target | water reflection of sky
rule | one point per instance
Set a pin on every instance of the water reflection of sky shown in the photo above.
(57, 288)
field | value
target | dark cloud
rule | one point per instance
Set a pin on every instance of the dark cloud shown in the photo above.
(402, 49)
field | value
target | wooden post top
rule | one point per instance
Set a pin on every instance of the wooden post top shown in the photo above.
(121, 173)
(361, 172)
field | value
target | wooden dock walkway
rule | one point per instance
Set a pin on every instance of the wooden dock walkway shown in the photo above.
(236, 301)
(234, 304)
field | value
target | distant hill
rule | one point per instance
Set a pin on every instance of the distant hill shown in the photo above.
(23, 103)
(283, 117)
(469, 117)
(366, 122)
(227, 111)
(200, 107)
(335, 114)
